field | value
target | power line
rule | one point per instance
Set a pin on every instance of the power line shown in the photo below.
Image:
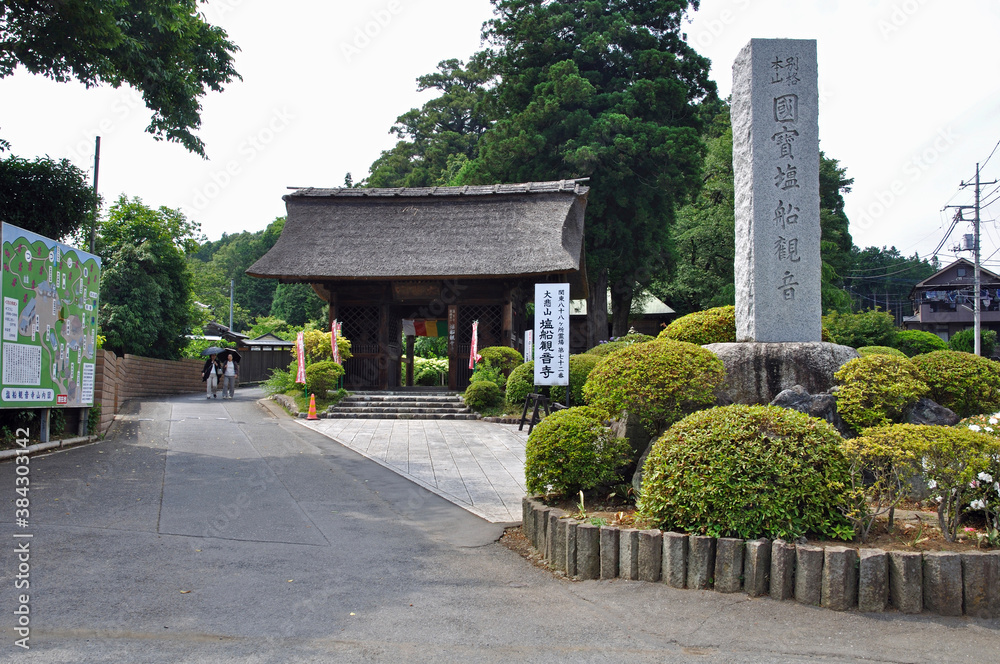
(991, 154)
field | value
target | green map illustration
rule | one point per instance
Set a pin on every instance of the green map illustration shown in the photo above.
(50, 303)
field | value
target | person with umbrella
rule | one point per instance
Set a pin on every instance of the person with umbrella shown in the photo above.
(230, 371)
(210, 373)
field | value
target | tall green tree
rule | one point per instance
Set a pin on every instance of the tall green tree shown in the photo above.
(436, 140)
(163, 48)
(146, 285)
(296, 304)
(606, 90)
(883, 278)
(45, 196)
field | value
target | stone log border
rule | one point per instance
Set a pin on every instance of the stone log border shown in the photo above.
(837, 577)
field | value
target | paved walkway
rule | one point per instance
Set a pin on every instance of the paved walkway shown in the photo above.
(476, 465)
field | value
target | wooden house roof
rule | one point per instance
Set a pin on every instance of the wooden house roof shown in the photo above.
(946, 278)
(505, 230)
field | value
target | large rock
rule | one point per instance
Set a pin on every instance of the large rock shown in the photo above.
(823, 406)
(757, 372)
(926, 411)
(629, 427)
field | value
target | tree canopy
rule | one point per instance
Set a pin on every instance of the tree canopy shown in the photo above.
(45, 196)
(439, 138)
(146, 284)
(610, 91)
(162, 48)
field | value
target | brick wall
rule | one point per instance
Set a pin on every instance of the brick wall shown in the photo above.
(132, 377)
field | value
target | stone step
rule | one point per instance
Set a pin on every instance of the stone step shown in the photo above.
(349, 403)
(396, 409)
(405, 393)
(401, 416)
(403, 398)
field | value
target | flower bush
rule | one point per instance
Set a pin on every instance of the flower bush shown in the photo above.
(580, 367)
(877, 389)
(984, 490)
(482, 395)
(918, 342)
(717, 325)
(880, 473)
(572, 450)
(429, 370)
(966, 383)
(748, 471)
(660, 382)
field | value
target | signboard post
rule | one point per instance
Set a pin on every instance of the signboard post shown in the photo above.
(552, 335)
(50, 305)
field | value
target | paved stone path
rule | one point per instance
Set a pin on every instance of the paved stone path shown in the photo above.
(476, 465)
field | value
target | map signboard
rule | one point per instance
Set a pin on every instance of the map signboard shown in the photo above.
(50, 296)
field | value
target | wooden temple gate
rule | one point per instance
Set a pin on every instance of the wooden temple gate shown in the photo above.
(454, 254)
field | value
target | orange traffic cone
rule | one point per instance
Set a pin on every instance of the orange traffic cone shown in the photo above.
(312, 408)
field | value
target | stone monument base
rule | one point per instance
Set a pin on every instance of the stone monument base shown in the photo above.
(757, 372)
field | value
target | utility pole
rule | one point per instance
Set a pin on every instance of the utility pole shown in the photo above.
(976, 326)
(97, 165)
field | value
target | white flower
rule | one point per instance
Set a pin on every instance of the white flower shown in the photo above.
(939, 499)
(996, 485)
(990, 429)
(994, 420)
(977, 505)
(931, 484)
(975, 427)
(986, 477)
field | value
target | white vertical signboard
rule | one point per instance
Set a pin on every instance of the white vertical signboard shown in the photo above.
(551, 334)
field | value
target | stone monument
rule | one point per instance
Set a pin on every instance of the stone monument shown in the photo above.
(776, 166)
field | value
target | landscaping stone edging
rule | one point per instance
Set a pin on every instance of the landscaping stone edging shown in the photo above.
(44, 447)
(840, 577)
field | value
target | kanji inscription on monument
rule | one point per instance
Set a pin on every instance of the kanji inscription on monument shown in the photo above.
(776, 163)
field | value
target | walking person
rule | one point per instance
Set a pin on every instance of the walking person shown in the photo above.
(210, 374)
(230, 371)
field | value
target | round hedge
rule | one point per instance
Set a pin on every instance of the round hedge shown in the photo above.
(966, 383)
(323, 376)
(482, 394)
(580, 367)
(877, 389)
(717, 325)
(570, 451)
(605, 348)
(660, 382)
(918, 342)
(865, 351)
(748, 471)
(504, 358)
(521, 383)
(965, 341)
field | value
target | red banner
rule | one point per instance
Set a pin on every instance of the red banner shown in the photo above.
(300, 347)
(334, 328)
(474, 355)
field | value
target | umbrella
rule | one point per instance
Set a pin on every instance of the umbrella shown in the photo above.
(215, 350)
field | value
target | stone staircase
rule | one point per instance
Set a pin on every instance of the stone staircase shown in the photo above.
(402, 405)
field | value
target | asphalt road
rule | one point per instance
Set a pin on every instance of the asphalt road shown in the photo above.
(211, 531)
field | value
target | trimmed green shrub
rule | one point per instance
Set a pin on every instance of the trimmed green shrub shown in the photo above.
(660, 382)
(717, 325)
(950, 459)
(748, 471)
(605, 348)
(966, 383)
(877, 389)
(965, 341)
(482, 395)
(865, 351)
(634, 338)
(880, 478)
(571, 451)
(502, 357)
(489, 373)
(868, 328)
(918, 342)
(521, 383)
(429, 371)
(580, 367)
(322, 377)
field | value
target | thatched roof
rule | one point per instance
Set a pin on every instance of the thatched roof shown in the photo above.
(506, 230)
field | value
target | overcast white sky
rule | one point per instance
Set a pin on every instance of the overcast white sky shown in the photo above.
(908, 105)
